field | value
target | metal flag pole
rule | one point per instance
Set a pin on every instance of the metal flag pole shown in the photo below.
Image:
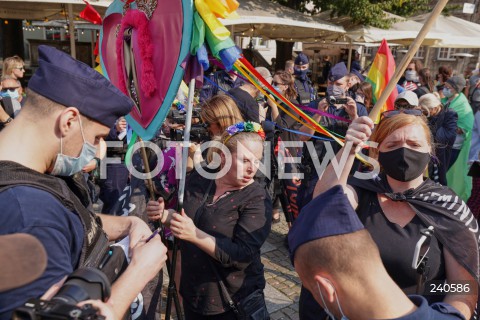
(406, 59)
(172, 293)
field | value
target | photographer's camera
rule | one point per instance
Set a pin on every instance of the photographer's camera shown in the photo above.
(333, 100)
(83, 284)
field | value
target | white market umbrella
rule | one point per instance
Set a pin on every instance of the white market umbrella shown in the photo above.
(269, 20)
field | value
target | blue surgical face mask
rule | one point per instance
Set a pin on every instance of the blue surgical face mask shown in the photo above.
(278, 89)
(447, 92)
(335, 91)
(330, 315)
(66, 165)
(10, 93)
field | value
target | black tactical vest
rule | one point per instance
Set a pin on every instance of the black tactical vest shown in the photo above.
(305, 92)
(68, 191)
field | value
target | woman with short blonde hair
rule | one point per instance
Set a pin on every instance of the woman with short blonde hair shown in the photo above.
(13, 67)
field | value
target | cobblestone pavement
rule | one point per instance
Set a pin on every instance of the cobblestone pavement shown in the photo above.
(283, 285)
(282, 291)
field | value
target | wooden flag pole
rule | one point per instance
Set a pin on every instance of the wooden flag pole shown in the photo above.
(406, 59)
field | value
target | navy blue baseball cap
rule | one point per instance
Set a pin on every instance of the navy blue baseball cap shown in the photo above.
(301, 59)
(72, 83)
(338, 72)
(359, 75)
(329, 214)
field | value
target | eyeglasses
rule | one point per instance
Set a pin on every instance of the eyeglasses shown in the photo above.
(391, 113)
(20, 68)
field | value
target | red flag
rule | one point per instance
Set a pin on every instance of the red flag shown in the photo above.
(90, 14)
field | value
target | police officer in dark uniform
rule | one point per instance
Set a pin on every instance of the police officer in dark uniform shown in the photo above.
(337, 88)
(70, 107)
(220, 82)
(305, 91)
(337, 260)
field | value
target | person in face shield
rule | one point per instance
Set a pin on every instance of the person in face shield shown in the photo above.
(54, 136)
(395, 203)
(348, 109)
(340, 264)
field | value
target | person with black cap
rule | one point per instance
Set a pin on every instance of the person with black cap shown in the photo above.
(305, 91)
(457, 177)
(337, 87)
(69, 108)
(339, 263)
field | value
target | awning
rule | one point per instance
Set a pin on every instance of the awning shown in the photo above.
(262, 18)
(458, 33)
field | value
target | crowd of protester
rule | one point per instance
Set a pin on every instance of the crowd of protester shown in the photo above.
(353, 232)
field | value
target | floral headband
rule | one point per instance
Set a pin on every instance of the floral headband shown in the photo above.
(245, 127)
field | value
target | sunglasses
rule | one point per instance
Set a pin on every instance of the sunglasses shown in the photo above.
(20, 68)
(9, 89)
(278, 83)
(412, 112)
(410, 69)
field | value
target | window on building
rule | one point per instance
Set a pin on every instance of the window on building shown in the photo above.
(259, 43)
(368, 51)
(52, 33)
(446, 53)
(420, 53)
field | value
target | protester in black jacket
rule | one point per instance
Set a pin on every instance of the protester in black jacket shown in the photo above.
(443, 124)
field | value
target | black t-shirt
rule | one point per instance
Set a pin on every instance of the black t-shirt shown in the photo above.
(397, 244)
(240, 221)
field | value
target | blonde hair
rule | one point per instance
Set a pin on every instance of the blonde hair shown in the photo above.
(9, 64)
(231, 142)
(222, 110)
(429, 101)
(388, 125)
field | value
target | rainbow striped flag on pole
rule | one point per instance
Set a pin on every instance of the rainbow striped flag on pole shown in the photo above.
(380, 73)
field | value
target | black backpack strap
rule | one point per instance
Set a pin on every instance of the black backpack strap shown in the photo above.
(95, 242)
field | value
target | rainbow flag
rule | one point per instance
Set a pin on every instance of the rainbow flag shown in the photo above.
(380, 73)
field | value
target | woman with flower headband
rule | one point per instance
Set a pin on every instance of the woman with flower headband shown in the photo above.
(397, 204)
(225, 221)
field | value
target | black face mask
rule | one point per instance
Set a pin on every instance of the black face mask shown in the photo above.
(403, 164)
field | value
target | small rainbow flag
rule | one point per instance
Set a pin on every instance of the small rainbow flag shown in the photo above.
(381, 71)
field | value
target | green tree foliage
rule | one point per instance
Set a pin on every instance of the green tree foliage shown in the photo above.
(365, 12)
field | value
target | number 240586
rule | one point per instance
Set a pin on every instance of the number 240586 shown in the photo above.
(442, 287)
